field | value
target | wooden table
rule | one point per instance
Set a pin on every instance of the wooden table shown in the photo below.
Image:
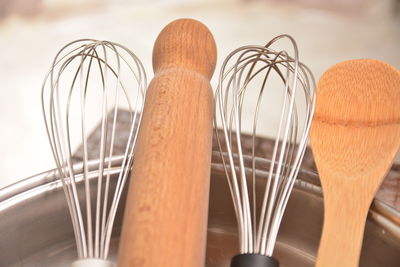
(389, 192)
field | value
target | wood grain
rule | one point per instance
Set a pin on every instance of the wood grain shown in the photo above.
(165, 221)
(355, 136)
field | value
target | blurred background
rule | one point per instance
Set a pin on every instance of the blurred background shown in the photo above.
(32, 31)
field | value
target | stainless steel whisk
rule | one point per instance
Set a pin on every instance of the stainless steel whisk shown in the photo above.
(243, 68)
(87, 82)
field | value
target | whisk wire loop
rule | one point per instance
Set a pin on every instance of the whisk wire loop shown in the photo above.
(259, 217)
(73, 106)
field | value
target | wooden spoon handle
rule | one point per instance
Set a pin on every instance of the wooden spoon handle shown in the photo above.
(165, 221)
(343, 232)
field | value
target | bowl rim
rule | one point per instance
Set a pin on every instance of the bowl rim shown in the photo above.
(380, 213)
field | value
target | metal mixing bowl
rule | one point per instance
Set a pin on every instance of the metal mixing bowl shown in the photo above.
(36, 231)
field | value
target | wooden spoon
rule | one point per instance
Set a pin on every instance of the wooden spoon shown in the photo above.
(165, 221)
(354, 136)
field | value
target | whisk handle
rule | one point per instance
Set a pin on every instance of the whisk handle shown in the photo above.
(253, 260)
(165, 221)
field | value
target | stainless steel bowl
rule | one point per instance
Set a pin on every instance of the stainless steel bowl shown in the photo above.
(35, 228)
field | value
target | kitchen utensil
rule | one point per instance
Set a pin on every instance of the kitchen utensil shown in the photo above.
(88, 79)
(165, 221)
(355, 135)
(258, 228)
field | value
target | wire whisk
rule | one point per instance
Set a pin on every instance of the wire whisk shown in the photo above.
(249, 69)
(88, 81)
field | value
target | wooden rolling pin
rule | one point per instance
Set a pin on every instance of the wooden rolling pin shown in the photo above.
(165, 221)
